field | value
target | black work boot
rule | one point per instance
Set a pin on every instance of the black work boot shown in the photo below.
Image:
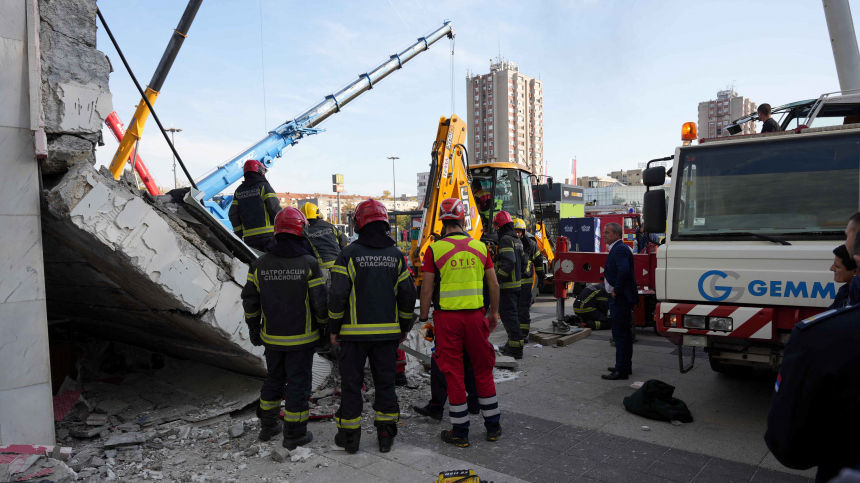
(515, 352)
(386, 436)
(348, 439)
(426, 411)
(269, 430)
(448, 437)
(494, 435)
(270, 423)
(294, 440)
(400, 379)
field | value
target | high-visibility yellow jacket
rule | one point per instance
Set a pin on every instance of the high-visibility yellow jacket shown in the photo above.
(459, 263)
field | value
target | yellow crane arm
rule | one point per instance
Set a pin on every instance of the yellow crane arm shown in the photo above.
(449, 178)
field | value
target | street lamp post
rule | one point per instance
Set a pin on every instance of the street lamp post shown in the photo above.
(172, 132)
(394, 191)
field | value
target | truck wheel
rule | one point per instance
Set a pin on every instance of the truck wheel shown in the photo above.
(729, 369)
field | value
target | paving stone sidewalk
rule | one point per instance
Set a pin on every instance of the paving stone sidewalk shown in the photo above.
(539, 450)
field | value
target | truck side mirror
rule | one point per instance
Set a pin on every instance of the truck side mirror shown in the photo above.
(654, 210)
(549, 183)
(655, 176)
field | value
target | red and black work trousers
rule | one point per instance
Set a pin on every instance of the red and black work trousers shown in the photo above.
(293, 369)
(466, 330)
(439, 387)
(383, 366)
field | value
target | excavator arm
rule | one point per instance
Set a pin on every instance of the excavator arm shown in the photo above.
(449, 178)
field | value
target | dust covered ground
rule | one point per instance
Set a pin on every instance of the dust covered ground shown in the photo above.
(561, 423)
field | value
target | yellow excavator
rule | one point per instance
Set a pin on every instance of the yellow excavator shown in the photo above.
(499, 186)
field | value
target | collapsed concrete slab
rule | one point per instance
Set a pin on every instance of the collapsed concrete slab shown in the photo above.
(125, 268)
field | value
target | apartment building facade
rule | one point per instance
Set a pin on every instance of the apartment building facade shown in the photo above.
(715, 115)
(504, 116)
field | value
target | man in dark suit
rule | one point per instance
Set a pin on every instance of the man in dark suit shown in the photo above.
(621, 286)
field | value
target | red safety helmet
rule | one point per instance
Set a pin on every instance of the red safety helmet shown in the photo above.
(254, 165)
(290, 220)
(370, 210)
(501, 219)
(452, 209)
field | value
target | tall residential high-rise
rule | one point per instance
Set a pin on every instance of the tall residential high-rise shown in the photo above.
(423, 178)
(716, 114)
(504, 116)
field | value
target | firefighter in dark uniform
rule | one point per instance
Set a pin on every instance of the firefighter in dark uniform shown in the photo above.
(326, 239)
(286, 309)
(255, 205)
(510, 265)
(370, 311)
(534, 266)
(814, 416)
(591, 307)
(484, 200)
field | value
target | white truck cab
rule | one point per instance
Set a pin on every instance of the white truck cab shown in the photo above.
(751, 225)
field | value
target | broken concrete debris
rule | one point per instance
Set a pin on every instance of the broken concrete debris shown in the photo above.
(125, 439)
(237, 430)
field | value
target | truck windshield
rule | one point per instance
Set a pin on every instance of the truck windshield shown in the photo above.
(800, 187)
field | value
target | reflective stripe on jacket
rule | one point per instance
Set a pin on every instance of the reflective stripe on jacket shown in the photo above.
(282, 297)
(510, 263)
(253, 210)
(459, 262)
(327, 241)
(534, 259)
(372, 294)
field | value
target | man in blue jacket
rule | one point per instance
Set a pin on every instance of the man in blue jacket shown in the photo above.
(621, 286)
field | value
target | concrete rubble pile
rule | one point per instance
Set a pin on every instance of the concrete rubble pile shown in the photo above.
(140, 416)
(119, 263)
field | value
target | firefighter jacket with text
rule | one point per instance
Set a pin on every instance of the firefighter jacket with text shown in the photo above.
(510, 260)
(286, 298)
(327, 240)
(254, 207)
(372, 294)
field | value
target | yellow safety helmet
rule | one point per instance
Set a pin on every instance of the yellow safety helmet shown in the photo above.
(519, 224)
(311, 211)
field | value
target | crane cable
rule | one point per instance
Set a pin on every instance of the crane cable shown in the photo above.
(145, 99)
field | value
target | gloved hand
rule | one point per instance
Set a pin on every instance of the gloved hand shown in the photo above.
(430, 335)
(254, 335)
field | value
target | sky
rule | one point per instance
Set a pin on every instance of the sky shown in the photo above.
(619, 77)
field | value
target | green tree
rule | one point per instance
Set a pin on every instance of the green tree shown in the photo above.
(618, 200)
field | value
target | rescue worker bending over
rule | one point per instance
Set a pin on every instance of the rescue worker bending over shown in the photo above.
(284, 292)
(510, 266)
(592, 306)
(254, 207)
(455, 268)
(534, 266)
(370, 312)
(326, 239)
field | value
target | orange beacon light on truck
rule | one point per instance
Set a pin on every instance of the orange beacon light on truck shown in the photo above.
(689, 132)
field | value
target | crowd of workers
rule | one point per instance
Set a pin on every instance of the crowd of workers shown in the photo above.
(310, 289)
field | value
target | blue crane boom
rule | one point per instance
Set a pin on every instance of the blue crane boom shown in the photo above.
(303, 125)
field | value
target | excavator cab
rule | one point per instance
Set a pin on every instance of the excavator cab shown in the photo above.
(502, 187)
(484, 189)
